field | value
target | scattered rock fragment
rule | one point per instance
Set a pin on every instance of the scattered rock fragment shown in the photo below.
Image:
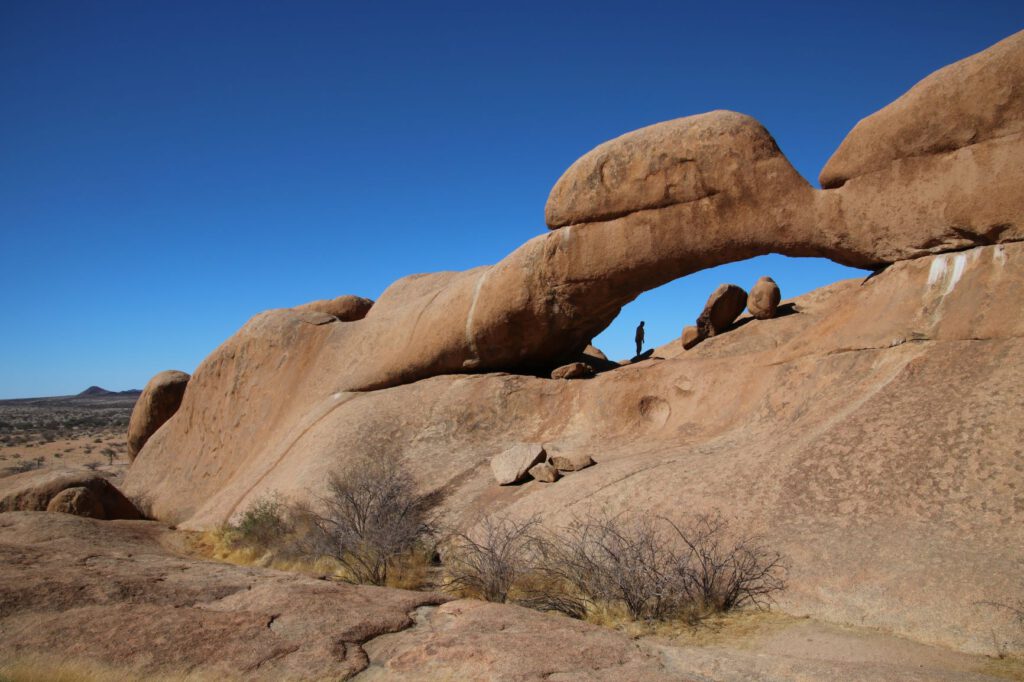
(513, 464)
(691, 337)
(160, 399)
(544, 472)
(574, 370)
(570, 461)
(763, 301)
(723, 307)
(79, 501)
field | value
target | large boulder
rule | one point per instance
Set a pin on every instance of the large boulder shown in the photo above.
(691, 336)
(512, 465)
(764, 298)
(574, 370)
(723, 306)
(37, 490)
(346, 308)
(158, 402)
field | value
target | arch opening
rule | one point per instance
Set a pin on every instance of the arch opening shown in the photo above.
(670, 307)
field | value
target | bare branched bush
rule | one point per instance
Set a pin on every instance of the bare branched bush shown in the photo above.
(648, 568)
(716, 571)
(487, 561)
(370, 518)
(602, 560)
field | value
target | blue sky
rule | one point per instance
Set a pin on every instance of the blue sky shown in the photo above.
(169, 169)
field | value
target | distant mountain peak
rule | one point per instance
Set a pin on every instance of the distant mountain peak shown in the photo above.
(95, 390)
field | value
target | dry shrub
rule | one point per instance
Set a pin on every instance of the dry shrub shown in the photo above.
(371, 527)
(371, 521)
(490, 559)
(605, 567)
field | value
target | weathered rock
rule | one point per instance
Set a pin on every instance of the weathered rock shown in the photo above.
(594, 352)
(723, 307)
(974, 100)
(763, 301)
(477, 640)
(570, 460)
(544, 472)
(159, 401)
(346, 308)
(690, 337)
(78, 501)
(574, 370)
(513, 464)
(154, 614)
(35, 490)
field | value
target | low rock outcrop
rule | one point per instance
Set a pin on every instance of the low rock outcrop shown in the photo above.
(574, 370)
(160, 399)
(764, 298)
(79, 501)
(346, 308)
(37, 490)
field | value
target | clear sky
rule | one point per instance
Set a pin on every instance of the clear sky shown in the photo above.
(169, 169)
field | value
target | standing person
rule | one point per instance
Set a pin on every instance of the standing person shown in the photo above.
(640, 337)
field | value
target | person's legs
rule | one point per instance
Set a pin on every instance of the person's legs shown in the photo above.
(639, 346)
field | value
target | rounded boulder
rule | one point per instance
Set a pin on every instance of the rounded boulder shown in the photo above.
(160, 399)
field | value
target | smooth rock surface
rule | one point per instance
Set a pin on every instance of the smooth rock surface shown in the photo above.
(974, 100)
(763, 300)
(160, 399)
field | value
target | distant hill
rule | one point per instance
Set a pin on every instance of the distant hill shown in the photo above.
(96, 390)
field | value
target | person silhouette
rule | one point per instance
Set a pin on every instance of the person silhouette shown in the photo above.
(640, 337)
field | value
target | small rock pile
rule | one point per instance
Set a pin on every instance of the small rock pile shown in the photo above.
(532, 460)
(726, 303)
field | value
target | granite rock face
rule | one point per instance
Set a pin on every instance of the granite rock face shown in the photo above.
(860, 424)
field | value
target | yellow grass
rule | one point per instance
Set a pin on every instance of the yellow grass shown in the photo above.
(38, 668)
(408, 573)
